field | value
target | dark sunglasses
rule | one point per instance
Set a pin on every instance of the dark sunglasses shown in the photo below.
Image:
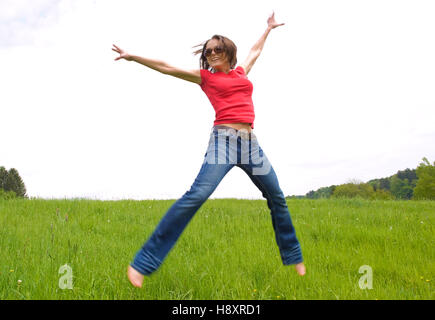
(217, 50)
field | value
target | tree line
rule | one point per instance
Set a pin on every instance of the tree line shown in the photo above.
(418, 184)
(11, 184)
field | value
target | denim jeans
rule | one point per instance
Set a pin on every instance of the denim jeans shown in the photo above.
(227, 148)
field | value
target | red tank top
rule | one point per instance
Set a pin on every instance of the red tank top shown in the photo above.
(230, 95)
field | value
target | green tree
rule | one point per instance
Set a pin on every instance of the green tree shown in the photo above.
(13, 182)
(401, 189)
(3, 176)
(425, 188)
(324, 192)
(410, 175)
(384, 183)
(311, 194)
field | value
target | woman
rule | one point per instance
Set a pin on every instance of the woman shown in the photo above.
(232, 143)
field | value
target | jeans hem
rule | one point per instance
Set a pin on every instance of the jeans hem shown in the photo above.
(145, 263)
(292, 256)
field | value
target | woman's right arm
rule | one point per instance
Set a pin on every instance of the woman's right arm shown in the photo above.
(161, 66)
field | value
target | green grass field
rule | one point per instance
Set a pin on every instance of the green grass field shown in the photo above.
(228, 251)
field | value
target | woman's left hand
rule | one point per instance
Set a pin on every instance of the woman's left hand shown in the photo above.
(272, 23)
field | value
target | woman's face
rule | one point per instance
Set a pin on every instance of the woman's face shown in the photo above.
(217, 61)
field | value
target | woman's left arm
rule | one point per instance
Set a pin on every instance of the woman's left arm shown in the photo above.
(258, 46)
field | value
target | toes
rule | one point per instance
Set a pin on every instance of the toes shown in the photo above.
(300, 269)
(135, 278)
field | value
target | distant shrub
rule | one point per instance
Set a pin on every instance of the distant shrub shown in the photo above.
(382, 194)
(7, 194)
(354, 190)
(425, 188)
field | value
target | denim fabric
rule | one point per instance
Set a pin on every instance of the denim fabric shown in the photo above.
(227, 148)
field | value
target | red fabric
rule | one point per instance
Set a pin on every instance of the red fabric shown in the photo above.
(230, 95)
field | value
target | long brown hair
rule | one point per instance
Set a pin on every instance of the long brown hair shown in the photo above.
(230, 50)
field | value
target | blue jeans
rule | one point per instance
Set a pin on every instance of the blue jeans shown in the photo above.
(227, 148)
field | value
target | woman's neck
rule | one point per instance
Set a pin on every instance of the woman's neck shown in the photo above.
(225, 69)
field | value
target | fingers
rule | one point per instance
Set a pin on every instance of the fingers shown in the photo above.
(117, 50)
(277, 25)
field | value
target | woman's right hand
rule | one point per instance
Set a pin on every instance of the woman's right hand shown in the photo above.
(122, 54)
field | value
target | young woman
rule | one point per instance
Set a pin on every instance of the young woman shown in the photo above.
(232, 143)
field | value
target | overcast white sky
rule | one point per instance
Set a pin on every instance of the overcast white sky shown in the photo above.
(345, 90)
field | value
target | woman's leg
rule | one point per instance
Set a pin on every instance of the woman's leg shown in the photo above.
(261, 173)
(152, 254)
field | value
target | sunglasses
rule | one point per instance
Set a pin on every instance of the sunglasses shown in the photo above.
(217, 50)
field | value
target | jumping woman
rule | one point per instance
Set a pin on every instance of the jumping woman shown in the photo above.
(232, 143)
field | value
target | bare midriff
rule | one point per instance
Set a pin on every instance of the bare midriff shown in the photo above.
(238, 126)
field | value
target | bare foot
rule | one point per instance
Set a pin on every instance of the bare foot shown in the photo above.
(300, 269)
(135, 277)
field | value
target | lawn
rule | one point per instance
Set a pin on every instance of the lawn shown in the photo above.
(228, 250)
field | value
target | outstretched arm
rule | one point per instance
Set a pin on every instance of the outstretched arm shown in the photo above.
(258, 46)
(161, 66)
